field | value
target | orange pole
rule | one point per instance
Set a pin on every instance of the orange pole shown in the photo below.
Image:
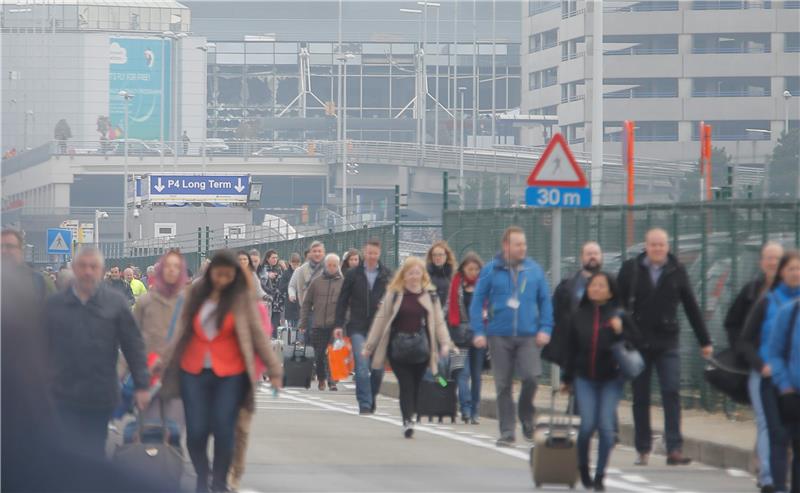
(707, 158)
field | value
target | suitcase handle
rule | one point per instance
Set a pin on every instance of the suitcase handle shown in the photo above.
(140, 426)
(570, 402)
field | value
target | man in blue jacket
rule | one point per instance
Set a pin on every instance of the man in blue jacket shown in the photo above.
(513, 290)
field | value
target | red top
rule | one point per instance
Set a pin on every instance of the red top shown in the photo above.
(226, 356)
(410, 315)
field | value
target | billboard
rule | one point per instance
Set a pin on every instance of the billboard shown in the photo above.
(140, 66)
(183, 188)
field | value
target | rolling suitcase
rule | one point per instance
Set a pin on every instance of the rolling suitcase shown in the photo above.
(298, 365)
(554, 456)
(437, 400)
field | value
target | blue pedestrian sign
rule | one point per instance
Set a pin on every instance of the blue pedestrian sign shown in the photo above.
(59, 241)
(198, 188)
(557, 181)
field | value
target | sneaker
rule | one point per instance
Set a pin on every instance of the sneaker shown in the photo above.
(505, 442)
(321, 385)
(767, 488)
(408, 429)
(474, 421)
(374, 405)
(642, 459)
(365, 412)
(586, 478)
(598, 483)
(527, 431)
(332, 387)
(677, 458)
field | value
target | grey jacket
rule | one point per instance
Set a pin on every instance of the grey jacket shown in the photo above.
(318, 310)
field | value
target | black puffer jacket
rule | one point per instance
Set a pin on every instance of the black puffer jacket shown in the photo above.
(741, 308)
(589, 339)
(655, 308)
(441, 278)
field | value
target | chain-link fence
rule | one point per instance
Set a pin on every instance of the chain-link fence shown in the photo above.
(719, 242)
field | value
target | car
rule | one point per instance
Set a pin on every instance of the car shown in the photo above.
(281, 150)
(216, 146)
(137, 148)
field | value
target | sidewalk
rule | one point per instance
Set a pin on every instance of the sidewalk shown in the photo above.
(711, 439)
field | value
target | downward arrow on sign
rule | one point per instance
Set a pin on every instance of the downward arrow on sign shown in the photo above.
(239, 188)
(159, 187)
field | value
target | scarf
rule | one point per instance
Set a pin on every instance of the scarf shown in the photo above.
(454, 299)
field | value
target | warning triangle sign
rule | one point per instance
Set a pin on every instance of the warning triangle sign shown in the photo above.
(58, 244)
(557, 167)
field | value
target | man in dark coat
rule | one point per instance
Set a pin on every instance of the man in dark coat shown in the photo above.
(119, 284)
(86, 326)
(651, 286)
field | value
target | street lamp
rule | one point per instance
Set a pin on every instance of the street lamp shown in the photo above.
(98, 215)
(127, 97)
(786, 97)
(436, 5)
(461, 91)
(352, 169)
(343, 58)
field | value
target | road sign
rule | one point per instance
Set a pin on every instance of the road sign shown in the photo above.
(59, 241)
(557, 167)
(573, 198)
(197, 188)
(86, 233)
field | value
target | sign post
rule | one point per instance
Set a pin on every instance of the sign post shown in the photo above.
(557, 182)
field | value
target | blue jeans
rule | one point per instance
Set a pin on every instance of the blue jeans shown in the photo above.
(368, 381)
(762, 430)
(469, 396)
(668, 365)
(211, 405)
(781, 435)
(598, 410)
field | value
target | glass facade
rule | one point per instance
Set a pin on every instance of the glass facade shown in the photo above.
(267, 87)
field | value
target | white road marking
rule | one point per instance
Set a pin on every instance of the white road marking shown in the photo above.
(635, 478)
(518, 454)
(664, 488)
(738, 473)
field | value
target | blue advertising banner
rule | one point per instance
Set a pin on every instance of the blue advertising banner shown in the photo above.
(136, 65)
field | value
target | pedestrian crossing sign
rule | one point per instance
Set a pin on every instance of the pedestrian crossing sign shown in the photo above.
(59, 241)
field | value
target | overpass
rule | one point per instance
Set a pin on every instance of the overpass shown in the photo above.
(42, 177)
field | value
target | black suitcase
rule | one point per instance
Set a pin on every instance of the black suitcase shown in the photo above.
(435, 400)
(298, 366)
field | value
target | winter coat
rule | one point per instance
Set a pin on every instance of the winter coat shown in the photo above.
(441, 278)
(318, 310)
(655, 307)
(361, 301)
(250, 335)
(153, 313)
(754, 339)
(123, 288)
(589, 339)
(783, 355)
(381, 331)
(291, 310)
(741, 307)
(496, 288)
(272, 286)
(565, 303)
(302, 278)
(85, 341)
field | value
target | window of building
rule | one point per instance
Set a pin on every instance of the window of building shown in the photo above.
(645, 131)
(792, 84)
(645, 44)
(545, 110)
(731, 4)
(735, 130)
(569, 8)
(534, 80)
(731, 43)
(572, 48)
(710, 87)
(538, 6)
(647, 6)
(542, 41)
(550, 77)
(791, 43)
(791, 4)
(640, 88)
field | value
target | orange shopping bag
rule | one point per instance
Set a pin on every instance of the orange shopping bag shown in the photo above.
(340, 359)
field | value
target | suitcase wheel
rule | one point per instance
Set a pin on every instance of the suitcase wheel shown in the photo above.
(430, 419)
(452, 419)
(440, 419)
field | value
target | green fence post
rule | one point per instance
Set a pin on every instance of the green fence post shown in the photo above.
(764, 227)
(623, 233)
(797, 224)
(208, 241)
(704, 215)
(445, 189)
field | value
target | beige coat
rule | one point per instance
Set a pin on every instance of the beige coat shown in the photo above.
(319, 305)
(251, 339)
(380, 332)
(153, 313)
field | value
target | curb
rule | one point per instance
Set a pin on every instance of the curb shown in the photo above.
(702, 451)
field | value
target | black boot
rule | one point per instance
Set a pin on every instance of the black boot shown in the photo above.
(598, 483)
(586, 479)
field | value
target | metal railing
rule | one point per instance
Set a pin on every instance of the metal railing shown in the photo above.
(720, 50)
(634, 51)
(638, 94)
(742, 93)
(170, 150)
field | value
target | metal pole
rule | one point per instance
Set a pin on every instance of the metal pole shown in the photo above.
(423, 92)
(125, 180)
(461, 90)
(161, 115)
(555, 269)
(344, 142)
(96, 230)
(436, 106)
(494, 69)
(339, 88)
(475, 78)
(597, 102)
(455, 70)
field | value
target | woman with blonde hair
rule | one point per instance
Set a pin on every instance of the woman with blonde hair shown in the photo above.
(409, 330)
(441, 265)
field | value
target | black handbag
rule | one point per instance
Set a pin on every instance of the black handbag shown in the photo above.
(411, 348)
(726, 373)
(462, 335)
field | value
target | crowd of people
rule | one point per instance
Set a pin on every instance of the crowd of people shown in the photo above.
(207, 338)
